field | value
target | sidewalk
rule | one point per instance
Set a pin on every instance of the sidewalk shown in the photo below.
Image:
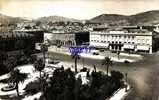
(120, 94)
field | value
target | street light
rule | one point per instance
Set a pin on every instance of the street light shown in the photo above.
(83, 62)
(126, 75)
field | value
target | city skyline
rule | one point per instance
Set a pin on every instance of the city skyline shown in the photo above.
(78, 9)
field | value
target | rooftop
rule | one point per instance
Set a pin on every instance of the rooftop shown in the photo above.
(14, 35)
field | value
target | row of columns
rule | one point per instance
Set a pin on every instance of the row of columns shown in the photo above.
(120, 48)
(115, 47)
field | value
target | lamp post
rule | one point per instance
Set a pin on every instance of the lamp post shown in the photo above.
(126, 79)
(83, 62)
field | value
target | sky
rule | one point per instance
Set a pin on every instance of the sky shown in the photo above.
(78, 9)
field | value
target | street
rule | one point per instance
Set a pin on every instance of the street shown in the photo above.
(142, 76)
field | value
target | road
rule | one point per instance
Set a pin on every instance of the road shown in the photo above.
(142, 76)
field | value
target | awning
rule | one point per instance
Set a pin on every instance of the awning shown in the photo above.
(143, 47)
(128, 46)
(95, 44)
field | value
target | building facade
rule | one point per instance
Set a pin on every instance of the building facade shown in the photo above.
(15, 41)
(123, 40)
(67, 39)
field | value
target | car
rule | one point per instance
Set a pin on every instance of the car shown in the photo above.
(51, 62)
(101, 50)
(113, 51)
(126, 61)
(95, 53)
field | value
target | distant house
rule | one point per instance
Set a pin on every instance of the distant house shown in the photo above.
(25, 24)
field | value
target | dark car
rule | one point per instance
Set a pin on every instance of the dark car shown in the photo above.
(95, 53)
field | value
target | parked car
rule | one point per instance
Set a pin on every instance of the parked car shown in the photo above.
(101, 50)
(95, 53)
(52, 63)
(114, 51)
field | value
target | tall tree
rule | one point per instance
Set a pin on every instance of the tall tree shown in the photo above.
(16, 77)
(107, 62)
(44, 49)
(39, 65)
(75, 56)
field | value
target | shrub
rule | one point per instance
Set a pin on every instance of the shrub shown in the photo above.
(32, 88)
(64, 86)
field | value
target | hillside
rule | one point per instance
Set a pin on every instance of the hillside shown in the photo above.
(54, 19)
(150, 17)
(7, 20)
(145, 18)
(111, 19)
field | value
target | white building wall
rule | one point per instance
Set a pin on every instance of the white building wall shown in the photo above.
(123, 38)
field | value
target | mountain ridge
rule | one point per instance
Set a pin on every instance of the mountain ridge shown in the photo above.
(143, 18)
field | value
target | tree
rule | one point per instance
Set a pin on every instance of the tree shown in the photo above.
(75, 56)
(39, 65)
(117, 79)
(16, 77)
(44, 48)
(107, 62)
(117, 75)
(10, 62)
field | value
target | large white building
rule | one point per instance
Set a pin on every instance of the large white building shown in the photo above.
(123, 40)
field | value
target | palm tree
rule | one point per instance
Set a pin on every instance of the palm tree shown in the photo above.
(75, 56)
(16, 77)
(44, 48)
(39, 65)
(107, 62)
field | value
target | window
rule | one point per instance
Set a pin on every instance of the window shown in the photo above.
(138, 40)
(147, 41)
